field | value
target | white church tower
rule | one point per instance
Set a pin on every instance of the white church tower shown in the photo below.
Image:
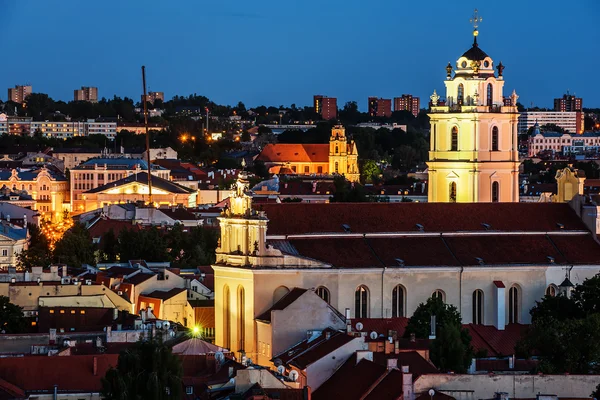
(473, 153)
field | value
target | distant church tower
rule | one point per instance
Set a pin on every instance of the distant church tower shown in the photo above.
(343, 157)
(473, 153)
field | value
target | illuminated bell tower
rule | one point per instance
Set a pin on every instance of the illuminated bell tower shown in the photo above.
(473, 153)
(343, 158)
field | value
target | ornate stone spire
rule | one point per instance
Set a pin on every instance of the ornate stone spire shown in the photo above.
(434, 98)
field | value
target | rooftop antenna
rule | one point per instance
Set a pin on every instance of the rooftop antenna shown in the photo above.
(147, 137)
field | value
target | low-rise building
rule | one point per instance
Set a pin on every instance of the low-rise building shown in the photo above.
(571, 121)
(566, 144)
(171, 305)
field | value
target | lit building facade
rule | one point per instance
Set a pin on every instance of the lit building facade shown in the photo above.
(380, 107)
(325, 106)
(473, 153)
(587, 143)
(568, 103)
(19, 93)
(98, 172)
(337, 157)
(86, 93)
(407, 102)
(571, 121)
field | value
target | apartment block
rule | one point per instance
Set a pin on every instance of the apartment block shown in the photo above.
(407, 102)
(379, 107)
(568, 103)
(19, 93)
(86, 93)
(570, 121)
(153, 96)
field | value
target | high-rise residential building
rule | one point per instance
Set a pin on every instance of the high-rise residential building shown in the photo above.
(325, 106)
(379, 107)
(153, 96)
(407, 102)
(19, 93)
(570, 121)
(86, 93)
(568, 103)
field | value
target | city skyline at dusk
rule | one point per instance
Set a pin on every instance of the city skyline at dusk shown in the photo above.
(271, 53)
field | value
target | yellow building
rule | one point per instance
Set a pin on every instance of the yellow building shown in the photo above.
(473, 153)
(338, 157)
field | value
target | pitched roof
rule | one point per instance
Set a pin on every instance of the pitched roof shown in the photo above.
(142, 179)
(139, 278)
(416, 364)
(381, 325)
(351, 381)
(404, 217)
(495, 342)
(102, 226)
(41, 373)
(312, 349)
(201, 303)
(282, 304)
(284, 152)
(165, 295)
(195, 346)
(437, 396)
(389, 388)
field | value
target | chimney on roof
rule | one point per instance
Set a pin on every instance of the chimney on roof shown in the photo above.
(392, 363)
(407, 383)
(366, 354)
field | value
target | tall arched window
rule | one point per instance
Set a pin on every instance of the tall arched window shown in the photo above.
(336, 149)
(454, 139)
(452, 192)
(323, 293)
(398, 301)
(226, 317)
(241, 318)
(439, 294)
(513, 305)
(490, 94)
(551, 291)
(361, 302)
(478, 307)
(495, 192)
(495, 138)
(337, 167)
(460, 94)
(279, 293)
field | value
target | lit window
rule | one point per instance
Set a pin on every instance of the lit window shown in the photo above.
(51, 311)
(62, 311)
(82, 312)
(72, 311)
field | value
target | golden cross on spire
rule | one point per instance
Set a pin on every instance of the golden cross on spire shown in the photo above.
(475, 20)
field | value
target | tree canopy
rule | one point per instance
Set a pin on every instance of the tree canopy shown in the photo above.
(451, 349)
(11, 317)
(147, 370)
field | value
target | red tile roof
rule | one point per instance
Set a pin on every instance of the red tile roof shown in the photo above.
(139, 278)
(487, 248)
(351, 380)
(404, 217)
(285, 301)
(283, 152)
(416, 364)
(70, 373)
(10, 391)
(307, 352)
(389, 388)
(497, 343)
(102, 226)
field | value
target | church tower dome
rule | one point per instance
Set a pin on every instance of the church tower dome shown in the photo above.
(473, 151)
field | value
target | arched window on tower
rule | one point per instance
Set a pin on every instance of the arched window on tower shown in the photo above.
(454, 139)
(460, 97)
(495, 192)
(241, 318)
(337, 150)
(452, 192)
(361, 302)
(398, 301)
(323, 293)
(478, 307)
(337, 167)
(490, 95)
(513, 305)
(495, 138)
(226, 317)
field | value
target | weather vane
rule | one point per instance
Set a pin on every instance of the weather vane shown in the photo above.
(475, 20)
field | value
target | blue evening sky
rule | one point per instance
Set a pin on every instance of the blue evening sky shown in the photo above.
(281, 52)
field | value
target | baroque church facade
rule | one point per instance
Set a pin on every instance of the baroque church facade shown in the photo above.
(339, 157)
(381, 260)
(473, 153)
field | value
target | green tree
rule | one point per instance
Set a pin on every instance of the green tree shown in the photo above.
(451, 349)
(146, 371)
(38, 251)
(370, 171)
(110, 245)
(11, 317)
(347, 192)
(75, 247)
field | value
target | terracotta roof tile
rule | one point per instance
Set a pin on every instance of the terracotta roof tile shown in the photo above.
(285, 301)
(165, 295)
(497, 343)
(351, 381)
(404, 217)
(283, 152)
(390, 387)
(41, 373)
(417, 365)
(102, 226)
